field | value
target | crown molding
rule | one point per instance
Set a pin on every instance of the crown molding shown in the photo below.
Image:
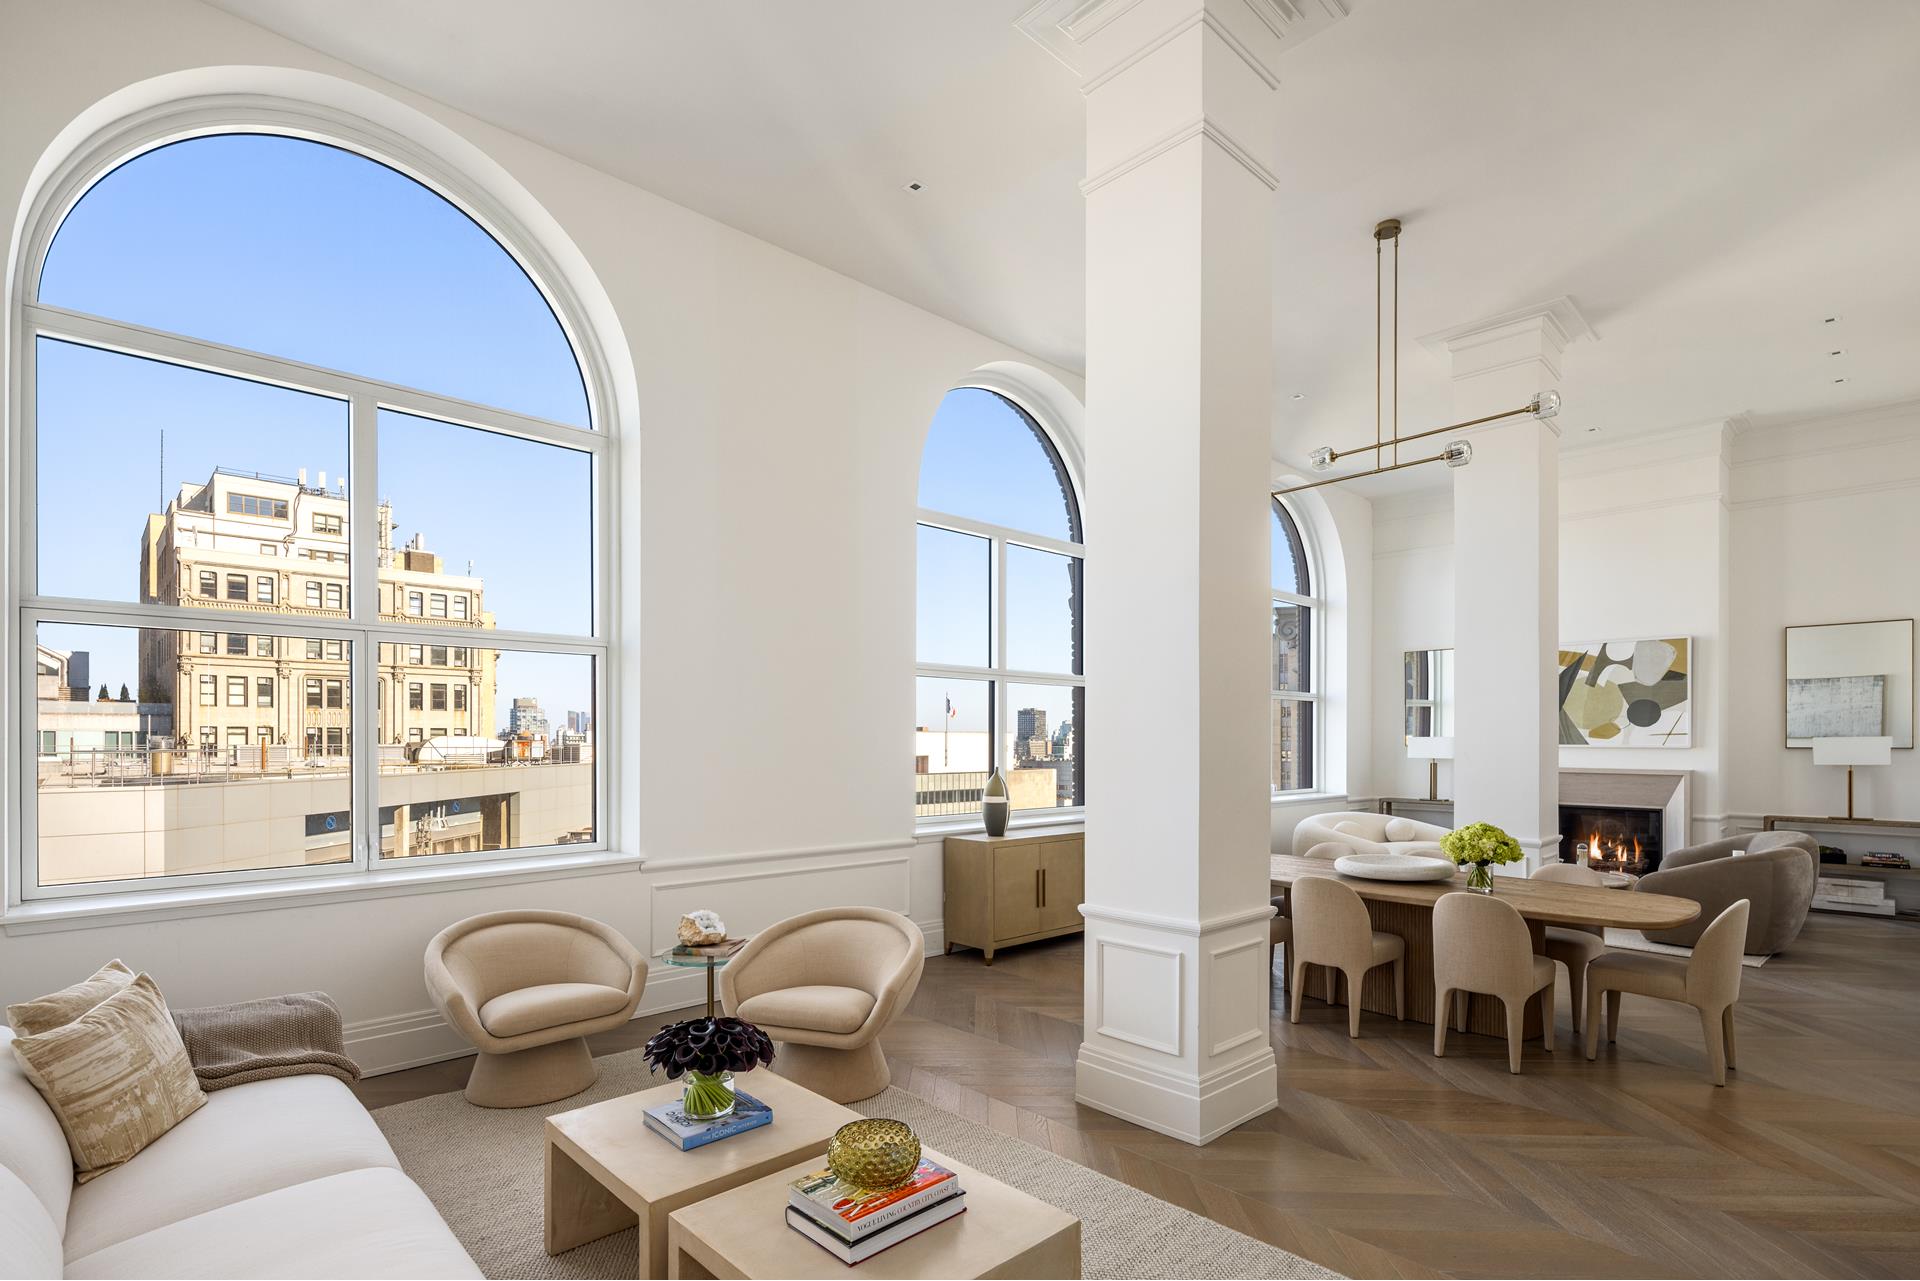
(1201, 128)
(1097, 39)
(1559, 320)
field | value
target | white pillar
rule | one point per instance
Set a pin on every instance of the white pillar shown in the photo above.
(1506, 603)
(1180, 224)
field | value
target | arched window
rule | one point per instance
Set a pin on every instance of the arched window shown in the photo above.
(1296, 673)
(316, 480)
(999, 674)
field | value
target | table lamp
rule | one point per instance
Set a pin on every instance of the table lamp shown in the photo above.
(1851, 752)
(1432, 750)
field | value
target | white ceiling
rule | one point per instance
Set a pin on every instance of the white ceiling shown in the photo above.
(1706, 180)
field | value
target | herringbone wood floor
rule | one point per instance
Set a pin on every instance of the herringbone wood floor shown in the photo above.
(1384, 1161)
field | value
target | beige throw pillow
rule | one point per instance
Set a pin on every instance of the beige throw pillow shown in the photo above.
(117, 1077)
(57, 1009)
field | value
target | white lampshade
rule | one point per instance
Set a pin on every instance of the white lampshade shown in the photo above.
(1437, 748)
(1853, 751)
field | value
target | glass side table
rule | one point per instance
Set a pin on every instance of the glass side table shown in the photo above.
(694, 961)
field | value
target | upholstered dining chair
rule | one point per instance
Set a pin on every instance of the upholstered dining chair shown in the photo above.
(824, 985)
(526, 988)
(1574, 946)
(1279, 932)
(1709, 981)
(1481, 944)
(1331, 928)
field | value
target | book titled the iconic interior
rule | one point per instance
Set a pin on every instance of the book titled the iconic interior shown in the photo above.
(852, 1252)
(854, 1213)
(671, 1122)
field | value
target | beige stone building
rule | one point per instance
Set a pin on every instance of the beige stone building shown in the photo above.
(252, 544)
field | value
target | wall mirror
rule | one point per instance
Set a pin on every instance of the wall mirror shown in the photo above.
(1427, 689)
(1850, 680)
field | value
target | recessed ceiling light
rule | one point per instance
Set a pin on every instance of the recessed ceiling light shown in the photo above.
(1298, 395)
(1839, 380)
(912, 186)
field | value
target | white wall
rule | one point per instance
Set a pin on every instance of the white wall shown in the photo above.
(1826, 529)
(769, 482)
(1723, 532)
(1643, 551)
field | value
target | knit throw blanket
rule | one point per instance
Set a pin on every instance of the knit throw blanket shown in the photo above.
(271, 1037)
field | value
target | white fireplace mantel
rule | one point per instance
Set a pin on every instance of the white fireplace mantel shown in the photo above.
(1648, 789)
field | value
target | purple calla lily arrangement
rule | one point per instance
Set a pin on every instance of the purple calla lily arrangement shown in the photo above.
(708, 1051)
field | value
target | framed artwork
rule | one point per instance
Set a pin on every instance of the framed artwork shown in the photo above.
(1627, 693)
(1850, 680)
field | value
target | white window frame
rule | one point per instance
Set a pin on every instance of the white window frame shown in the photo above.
(1315, 693)
(362, 623)
(996, 672)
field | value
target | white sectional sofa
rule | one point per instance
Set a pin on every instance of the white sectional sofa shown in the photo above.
(284, 1178)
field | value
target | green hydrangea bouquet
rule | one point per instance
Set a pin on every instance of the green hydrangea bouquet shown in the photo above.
(1477, 847)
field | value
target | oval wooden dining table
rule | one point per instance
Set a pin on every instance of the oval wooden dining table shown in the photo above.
(1406, 908)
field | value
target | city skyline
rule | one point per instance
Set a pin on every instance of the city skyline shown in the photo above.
(190, 238)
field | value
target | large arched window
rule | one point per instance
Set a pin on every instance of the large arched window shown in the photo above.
(1000, 679)
(1297, 614)
(316, 500)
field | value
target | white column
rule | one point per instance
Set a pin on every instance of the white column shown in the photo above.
(1506, 611)
(1180, 221)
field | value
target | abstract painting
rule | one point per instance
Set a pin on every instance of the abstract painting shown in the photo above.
(1835, 706)
(1630, 693)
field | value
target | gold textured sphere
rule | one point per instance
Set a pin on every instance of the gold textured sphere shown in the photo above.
(874, 1153)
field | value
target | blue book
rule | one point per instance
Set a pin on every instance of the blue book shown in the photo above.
(671, 1122)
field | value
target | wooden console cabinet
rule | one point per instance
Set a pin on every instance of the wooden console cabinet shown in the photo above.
(1003, 890)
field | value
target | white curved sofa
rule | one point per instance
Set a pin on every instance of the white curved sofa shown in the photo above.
(1367, 834)
(280, 1178)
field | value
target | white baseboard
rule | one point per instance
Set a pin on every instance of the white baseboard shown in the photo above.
(1196, 1112)
(397, 1042)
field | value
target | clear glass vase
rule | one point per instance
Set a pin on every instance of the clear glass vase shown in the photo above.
(708, 1097)
(1480, 878)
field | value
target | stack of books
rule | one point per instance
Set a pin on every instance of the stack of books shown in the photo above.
(854, 1224)
(1880, 859)
(671, 1122)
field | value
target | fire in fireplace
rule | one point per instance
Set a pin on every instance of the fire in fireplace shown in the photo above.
(1611, 838)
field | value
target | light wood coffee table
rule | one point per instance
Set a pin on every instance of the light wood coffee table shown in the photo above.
(606, 1171)
(1004, 1233)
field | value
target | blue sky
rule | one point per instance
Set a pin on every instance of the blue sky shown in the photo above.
(309, 252)
(983, 461)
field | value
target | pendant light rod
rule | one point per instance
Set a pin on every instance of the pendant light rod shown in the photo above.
(1456, 454)
(1545, 405)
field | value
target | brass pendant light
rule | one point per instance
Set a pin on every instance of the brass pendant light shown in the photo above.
(1458, 453)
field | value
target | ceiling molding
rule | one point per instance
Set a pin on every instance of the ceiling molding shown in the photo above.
(1563, 319)
(1201, 128)
(1098, 39)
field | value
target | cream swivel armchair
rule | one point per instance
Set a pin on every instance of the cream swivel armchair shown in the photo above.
(1481, 944)
(1574, 946)
(824, 985)
(1331, 928)
(1709, 981)
(527, 988)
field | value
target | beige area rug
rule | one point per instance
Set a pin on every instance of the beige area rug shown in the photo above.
(1635, 941)
(482, 1168)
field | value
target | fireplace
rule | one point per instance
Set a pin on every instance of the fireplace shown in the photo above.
(1612, 838)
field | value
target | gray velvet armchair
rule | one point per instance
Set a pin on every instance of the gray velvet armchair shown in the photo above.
(1776, 874)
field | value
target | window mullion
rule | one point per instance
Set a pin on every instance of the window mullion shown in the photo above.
(363, 581)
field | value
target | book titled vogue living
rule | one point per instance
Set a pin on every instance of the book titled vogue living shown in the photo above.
(671, 1122)
(854, 1213)
(852, 1252)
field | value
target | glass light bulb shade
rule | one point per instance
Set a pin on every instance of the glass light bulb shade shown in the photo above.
(1546, 404)
(1458, 453)
(1321, 458)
